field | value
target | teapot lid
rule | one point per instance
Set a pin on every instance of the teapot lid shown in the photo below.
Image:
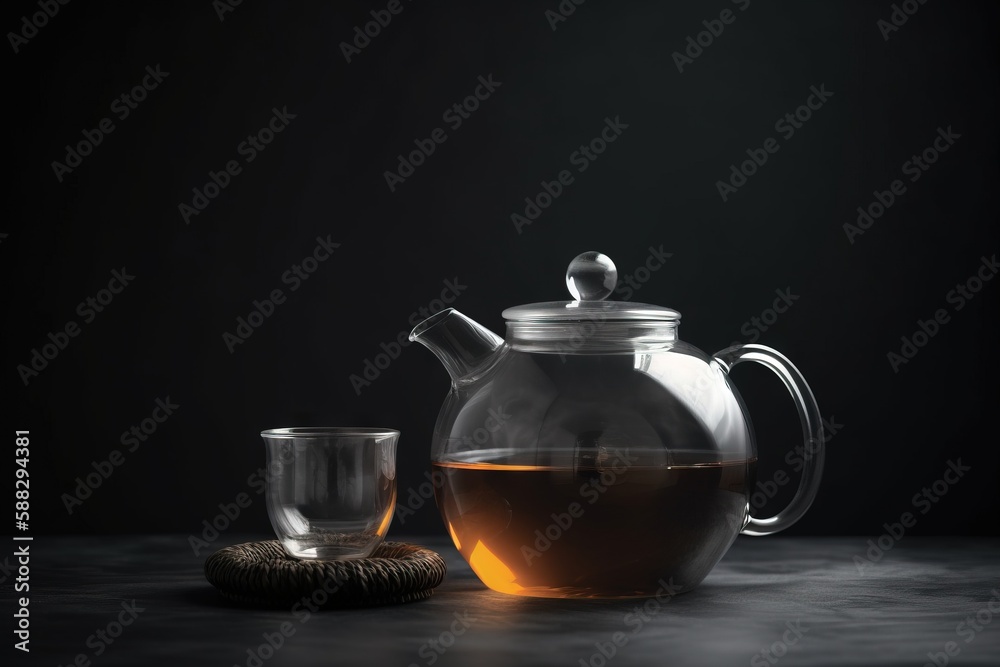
(591, 277)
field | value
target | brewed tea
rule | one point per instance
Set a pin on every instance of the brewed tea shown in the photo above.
(616, 530)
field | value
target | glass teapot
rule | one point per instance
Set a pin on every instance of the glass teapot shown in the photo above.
(593, 453)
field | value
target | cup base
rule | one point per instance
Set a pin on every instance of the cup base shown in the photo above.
(305, 550)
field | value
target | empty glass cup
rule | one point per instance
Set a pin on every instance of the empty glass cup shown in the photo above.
(331, 492)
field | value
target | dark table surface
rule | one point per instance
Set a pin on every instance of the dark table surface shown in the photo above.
(804, 600)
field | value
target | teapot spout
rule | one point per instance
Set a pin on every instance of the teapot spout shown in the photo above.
(462, 345)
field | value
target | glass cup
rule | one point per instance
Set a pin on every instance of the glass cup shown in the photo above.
(331, 492)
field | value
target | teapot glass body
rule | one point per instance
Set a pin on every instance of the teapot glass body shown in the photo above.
(592, 453)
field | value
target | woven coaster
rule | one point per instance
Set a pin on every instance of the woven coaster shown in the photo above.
(261, 574)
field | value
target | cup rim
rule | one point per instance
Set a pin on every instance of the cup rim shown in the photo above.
(328, 432)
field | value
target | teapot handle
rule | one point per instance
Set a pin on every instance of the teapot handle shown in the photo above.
(812, 432)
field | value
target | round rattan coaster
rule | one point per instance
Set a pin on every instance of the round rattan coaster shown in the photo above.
(261, 574)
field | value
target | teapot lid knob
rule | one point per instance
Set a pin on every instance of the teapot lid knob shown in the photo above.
(591, 276)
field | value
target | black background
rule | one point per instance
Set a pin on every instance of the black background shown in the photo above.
(655, 186)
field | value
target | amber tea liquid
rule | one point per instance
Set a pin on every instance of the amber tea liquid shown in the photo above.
(617, 531)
